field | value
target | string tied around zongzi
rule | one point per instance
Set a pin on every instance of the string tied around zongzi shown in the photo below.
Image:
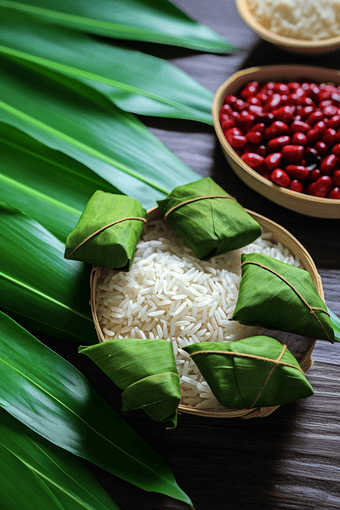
(102, 230)
(185, 202)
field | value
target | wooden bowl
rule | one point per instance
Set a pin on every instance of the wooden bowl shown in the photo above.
(302, 46)
(299, 202)
(304, 357)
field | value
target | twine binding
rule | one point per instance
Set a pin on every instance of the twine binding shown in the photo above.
(102, 229)
(311, 308)
(195, 200)
(276, 363)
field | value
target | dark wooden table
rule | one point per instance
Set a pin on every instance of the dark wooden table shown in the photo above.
(291, 459)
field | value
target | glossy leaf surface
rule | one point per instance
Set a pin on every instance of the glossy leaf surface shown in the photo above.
(112, 143)
(157, 21)
(50, 396)
(43, 183)
(45, 292)
(134, 81)
(50, 477)
(336, 324)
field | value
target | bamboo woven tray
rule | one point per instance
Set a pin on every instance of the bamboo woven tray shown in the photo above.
(295, 247)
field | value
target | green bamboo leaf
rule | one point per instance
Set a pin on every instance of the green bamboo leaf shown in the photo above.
(134, 81)
(55, 400)
(49, 477)
(43, 183)
(112, 143)
(33, 492)
(156, 21)
(48, 294)
(336, 324)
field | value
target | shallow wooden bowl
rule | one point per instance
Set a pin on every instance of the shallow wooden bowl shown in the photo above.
(304, 357)
(302, 46)
(304, 204)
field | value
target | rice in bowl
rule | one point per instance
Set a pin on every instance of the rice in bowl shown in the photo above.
(169, 293)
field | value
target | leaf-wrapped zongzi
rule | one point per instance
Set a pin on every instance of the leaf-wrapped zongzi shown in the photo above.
(277, 295)
(146, 372)
(107, 232)
(208, 219)
(253, 372)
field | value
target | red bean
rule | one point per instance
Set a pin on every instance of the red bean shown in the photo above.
(329, 164)
(260, 127)
(249, 89)
(260, 149)
(314, 117)
(321, 148)
(336, 178)
(297, 171)
(334, 193)
(334, 122)
(336, 149)
(277, 128)
(296, 185)
(276, 144)
(240, 105)
(280, 177)
(320, 188)
(274, 102)
(329, 137)
(273, 161)
(330, 110)
(299, 139)
(252, 159)
(235, 130)
(315, 174)
(316, 133)
(254, 101)
(230, 99)
(284, 113)
(237, 141)
(281, 88)
(262, 97)
(254, 137)
(293, 153)
(299, 127)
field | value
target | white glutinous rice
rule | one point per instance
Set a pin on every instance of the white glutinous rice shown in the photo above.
(300, 19)
(169, 293)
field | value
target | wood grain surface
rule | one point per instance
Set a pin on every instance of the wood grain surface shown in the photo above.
(291, 459)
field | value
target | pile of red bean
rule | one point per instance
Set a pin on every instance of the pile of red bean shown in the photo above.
(288, 132)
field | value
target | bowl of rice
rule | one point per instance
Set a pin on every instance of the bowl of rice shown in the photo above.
(170, 294)
(298, 26)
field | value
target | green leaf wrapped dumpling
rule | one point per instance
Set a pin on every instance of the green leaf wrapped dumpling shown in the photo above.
(277, 295)
(208, 219)
(253, 372)
(146, 372)
(107, 232)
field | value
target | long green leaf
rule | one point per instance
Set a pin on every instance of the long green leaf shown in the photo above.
(48, 476)
(134, 81)
(157, 21)
(45, 292)
(43, 183)
(113, 143)
(33, 492)
(50, 396)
